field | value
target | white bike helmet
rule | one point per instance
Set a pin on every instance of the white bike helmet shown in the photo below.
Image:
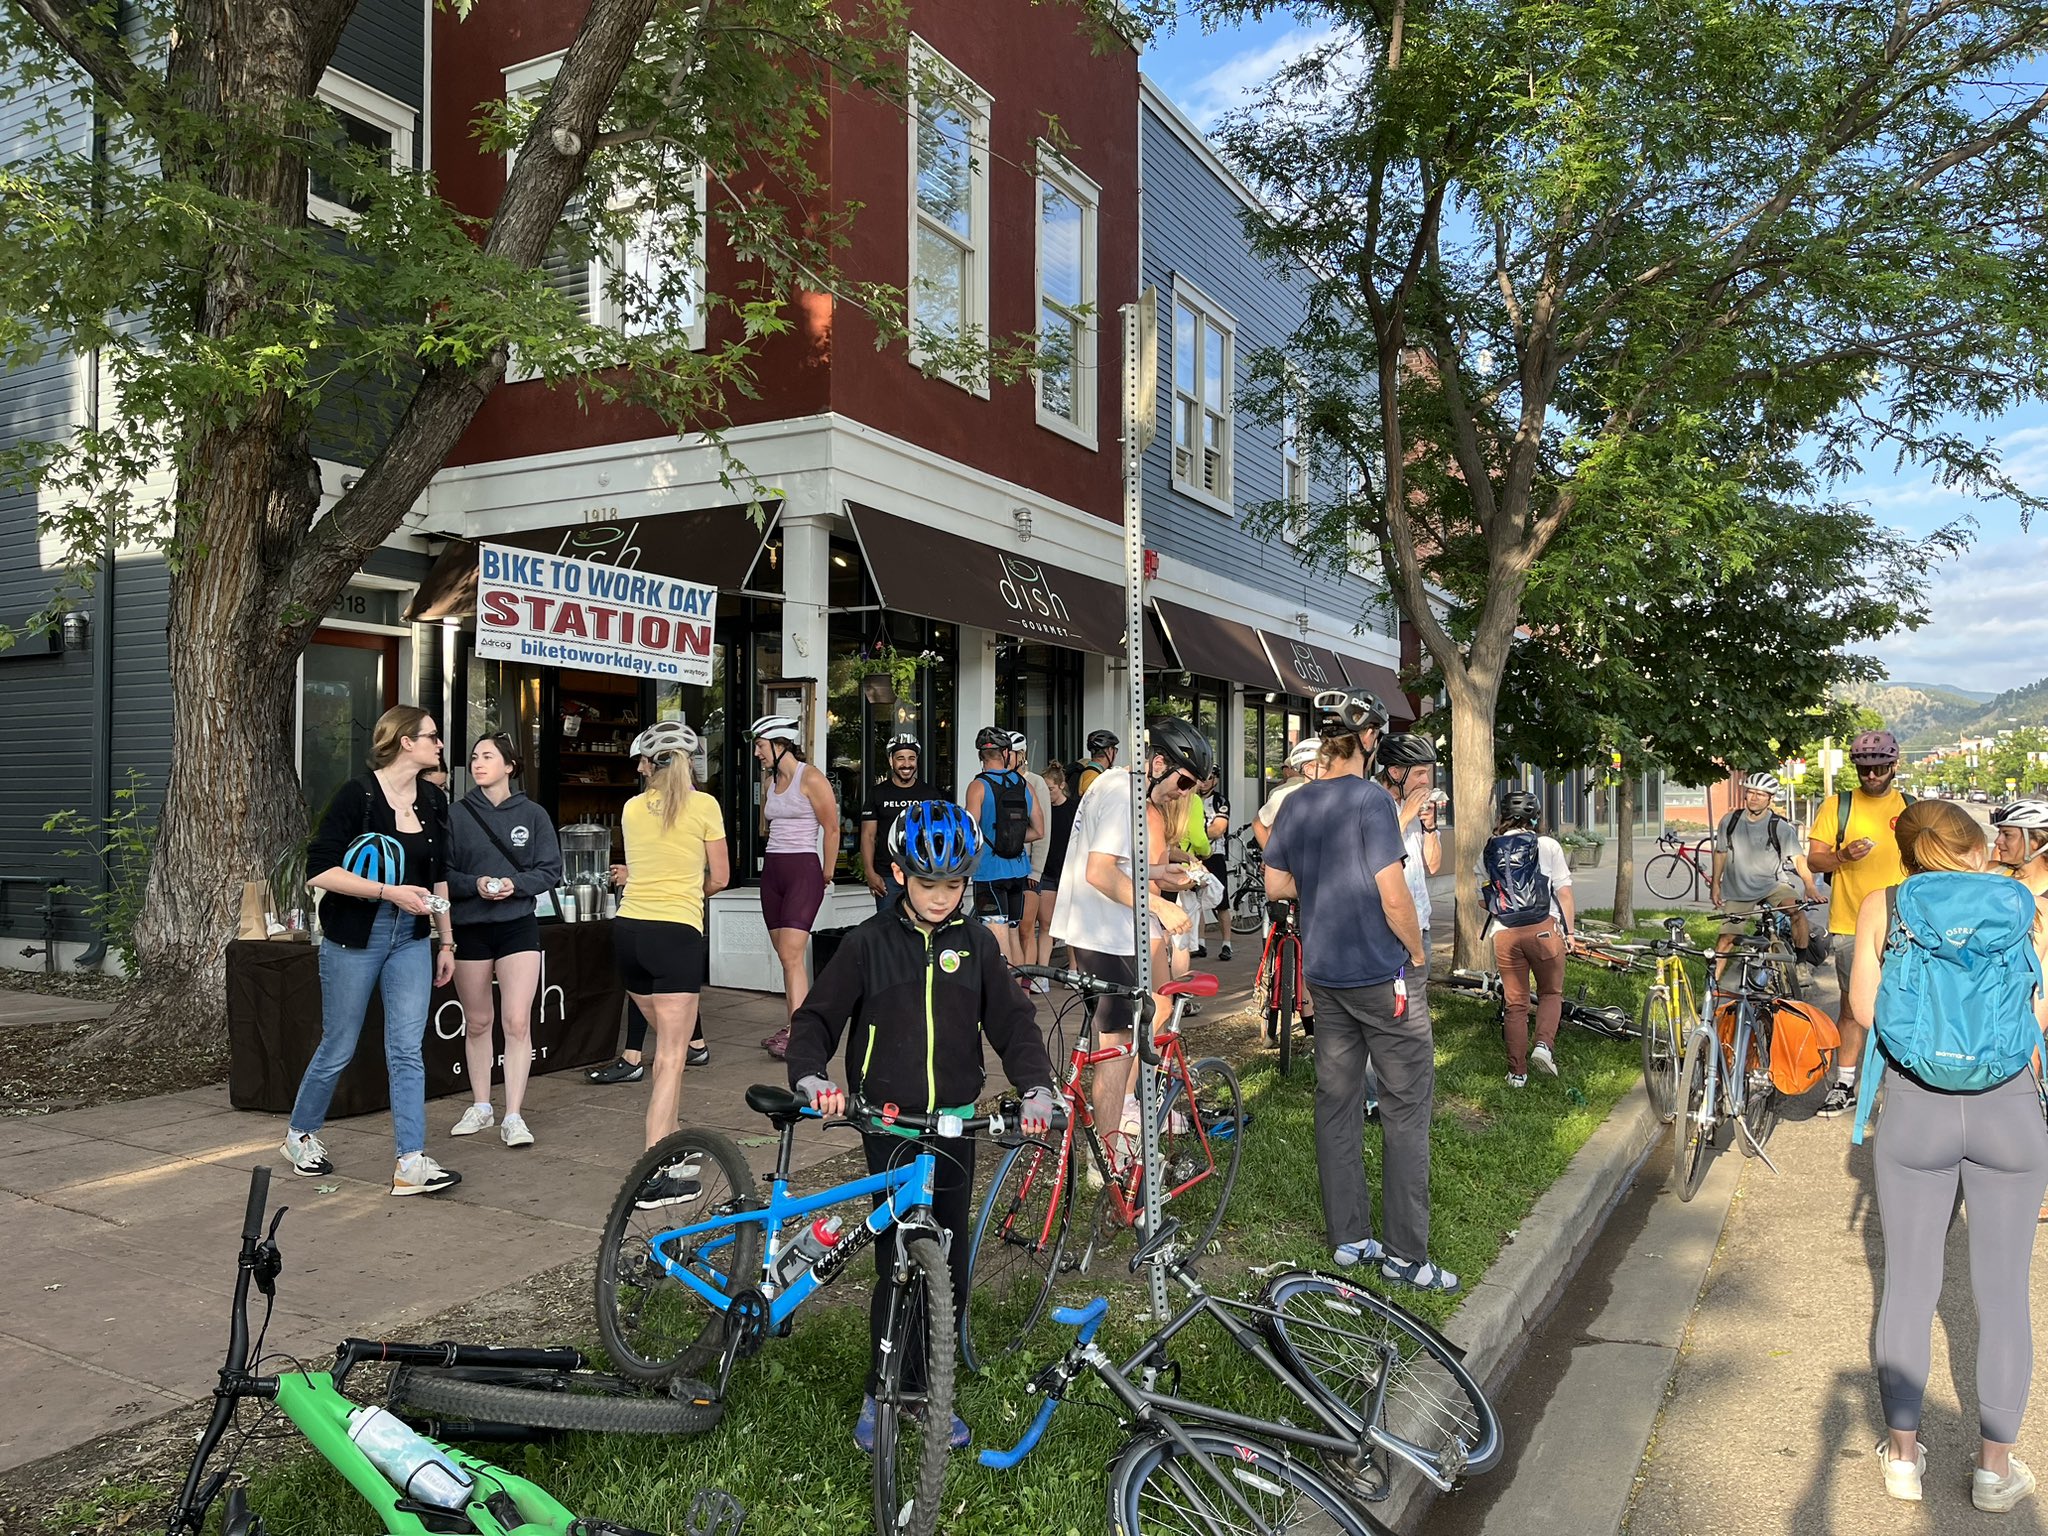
(1767, 782)
(663, 741)
(1019, 742)
(776, 728)
(1304, 752)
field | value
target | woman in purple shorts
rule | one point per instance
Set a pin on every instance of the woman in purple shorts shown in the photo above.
(802, 822)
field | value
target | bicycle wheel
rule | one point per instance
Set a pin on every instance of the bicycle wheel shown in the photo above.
(1660, 1050)
(913, 1426)
(1157, 1487)
(1016, 1251)
(1247, 909)
(1759, 1097)
(1669, 877)
(552, 1400)
(1333, 1336)
(1201, 1137)
(653, 1325)
(1692, 1127)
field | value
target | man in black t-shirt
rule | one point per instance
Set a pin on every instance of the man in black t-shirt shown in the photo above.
(887, 799)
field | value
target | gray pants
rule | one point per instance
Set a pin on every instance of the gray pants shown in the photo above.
(1356, 1026)
(1995, 1144)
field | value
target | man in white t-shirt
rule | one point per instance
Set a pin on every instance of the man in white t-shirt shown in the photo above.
(1093, 915)
(1301, 768)
(1408, 769)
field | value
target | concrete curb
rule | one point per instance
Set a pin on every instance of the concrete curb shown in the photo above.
(1519, 1287)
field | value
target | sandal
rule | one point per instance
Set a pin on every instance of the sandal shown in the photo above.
(1419, 1275)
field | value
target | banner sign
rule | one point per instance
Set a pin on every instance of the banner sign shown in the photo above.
(556, 611)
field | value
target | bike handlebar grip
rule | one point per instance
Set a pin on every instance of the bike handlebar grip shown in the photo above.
(259, 1196)
(1087, 1319)
(1002, 1461)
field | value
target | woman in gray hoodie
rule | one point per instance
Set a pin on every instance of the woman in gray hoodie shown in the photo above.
(502, 853)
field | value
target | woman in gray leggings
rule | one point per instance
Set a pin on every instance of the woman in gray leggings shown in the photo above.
(1996, 1146)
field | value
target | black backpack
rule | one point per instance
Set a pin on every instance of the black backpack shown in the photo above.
(1010, 826)
(1517, 891)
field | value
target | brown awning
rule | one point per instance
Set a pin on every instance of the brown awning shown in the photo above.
(715, 545)
(1304, 669)
(942, 576)
(1217, 647)
(1383, 681)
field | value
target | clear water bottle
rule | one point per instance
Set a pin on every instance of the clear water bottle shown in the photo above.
(818, 1239)
(417, 1467)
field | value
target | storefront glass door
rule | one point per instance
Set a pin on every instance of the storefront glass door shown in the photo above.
(350, 680)
(1038, 692)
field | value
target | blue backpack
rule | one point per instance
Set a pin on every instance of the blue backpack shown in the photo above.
(1955, 1008)
(1517, 892)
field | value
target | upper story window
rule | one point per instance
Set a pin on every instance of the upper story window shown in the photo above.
(1067, 377)
(650, 282)
(365, 120)
(1203, 449)
(948, 297)
(1293, 465)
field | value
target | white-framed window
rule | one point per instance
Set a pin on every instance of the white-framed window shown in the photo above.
(1067, 319)
(1203, 356)
(949, 117)
(365, 119)
(611, 284)
(1293, 464)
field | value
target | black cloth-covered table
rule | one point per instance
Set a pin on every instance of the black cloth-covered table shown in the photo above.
(274, 1021)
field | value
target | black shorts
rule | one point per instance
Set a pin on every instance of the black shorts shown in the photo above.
(494, 941)
(654, 958)
(1118, 1013)
(999, 903)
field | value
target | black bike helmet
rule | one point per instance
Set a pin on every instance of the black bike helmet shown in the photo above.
(1349, 712)
(992, 738)
(1521, 806)
(1103, 741)
(1177, 740)
(1404, 749)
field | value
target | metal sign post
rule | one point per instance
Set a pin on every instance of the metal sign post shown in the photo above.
(1141, 384)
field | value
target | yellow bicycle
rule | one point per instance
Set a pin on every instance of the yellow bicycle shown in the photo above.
(1671, 1007)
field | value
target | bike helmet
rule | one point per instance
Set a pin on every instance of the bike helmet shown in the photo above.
(1405, 749)
(776, 728)
(2026, 815)
(1767, 782)
(1304, 752)
(663, 741)
(1349, 712)
(904, 743)
(935, 840)
(1874, 747)
(1521, 806)
(1103, 741)
(1019, 743)
(1177, 740)
(375, 856)
(991, 738)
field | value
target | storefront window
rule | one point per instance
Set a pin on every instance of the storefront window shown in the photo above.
(1200, 699)
(1270, 732)
(860, 722)
(349, 680)
(1038, 692)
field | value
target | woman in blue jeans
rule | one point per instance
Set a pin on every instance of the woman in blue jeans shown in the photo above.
(380, 862)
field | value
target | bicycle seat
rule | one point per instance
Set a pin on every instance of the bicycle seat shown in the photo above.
(779, 1104)
(1194, 984)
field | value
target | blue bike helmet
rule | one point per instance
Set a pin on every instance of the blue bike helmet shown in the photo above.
(935, 840)
(375, 856)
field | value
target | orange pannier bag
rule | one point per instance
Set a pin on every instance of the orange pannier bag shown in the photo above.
(1804, 1043)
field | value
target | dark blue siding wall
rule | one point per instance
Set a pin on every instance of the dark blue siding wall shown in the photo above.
(384, 47)
(1192, 226)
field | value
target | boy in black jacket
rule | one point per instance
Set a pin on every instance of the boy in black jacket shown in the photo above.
(921, 985)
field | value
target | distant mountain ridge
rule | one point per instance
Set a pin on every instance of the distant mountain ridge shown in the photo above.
(1925, 715)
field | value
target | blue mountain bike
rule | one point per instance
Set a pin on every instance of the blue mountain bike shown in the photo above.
(695, 1272)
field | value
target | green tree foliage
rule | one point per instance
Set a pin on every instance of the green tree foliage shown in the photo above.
(1535, 232)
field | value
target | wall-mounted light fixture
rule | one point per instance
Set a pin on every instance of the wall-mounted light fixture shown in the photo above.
(1301, 623)
(77, 631)
(1021, 516)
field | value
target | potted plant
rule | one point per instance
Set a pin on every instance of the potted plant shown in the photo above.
(1581, 849)
(888, 674)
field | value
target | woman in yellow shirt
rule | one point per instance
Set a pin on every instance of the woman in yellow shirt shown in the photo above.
(675, 846)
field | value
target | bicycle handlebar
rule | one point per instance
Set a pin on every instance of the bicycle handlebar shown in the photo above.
(259, 1196)
(1085, 1320)
(1095, 986)
(1008, 1111)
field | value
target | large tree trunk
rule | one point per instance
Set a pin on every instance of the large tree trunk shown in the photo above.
(1472, 779)
(1625, 850)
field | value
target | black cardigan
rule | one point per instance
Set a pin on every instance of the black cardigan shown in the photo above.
(359, 806)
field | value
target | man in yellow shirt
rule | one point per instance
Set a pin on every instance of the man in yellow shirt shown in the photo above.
(1859, 854)
(1102, 746)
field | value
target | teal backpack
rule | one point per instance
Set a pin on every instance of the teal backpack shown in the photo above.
(1955, 1008)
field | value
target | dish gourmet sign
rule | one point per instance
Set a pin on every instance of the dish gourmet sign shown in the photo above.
(561, 612)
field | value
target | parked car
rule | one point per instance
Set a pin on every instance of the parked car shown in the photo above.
(1979, 797)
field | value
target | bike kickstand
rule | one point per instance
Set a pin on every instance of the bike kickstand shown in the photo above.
(1755, 1145)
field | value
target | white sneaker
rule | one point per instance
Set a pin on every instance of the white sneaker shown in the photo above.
(1133, 1121)
(419, 1174)
(1518, 1079)
(478, 1117)
(1996, 1495)
(1902, 1478)
(1040, 985)
(514, 1132)
(307, 1157)
(1541, 1059)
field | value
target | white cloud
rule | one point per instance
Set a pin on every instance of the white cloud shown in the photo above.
(1223, 89)
(1988, 627)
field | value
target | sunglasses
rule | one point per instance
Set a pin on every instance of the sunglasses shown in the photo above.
(1874, 770)
(1184, 781)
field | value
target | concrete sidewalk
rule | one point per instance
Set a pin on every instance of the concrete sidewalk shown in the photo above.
(121, 1222)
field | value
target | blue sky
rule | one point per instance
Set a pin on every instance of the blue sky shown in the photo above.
(1989, 624)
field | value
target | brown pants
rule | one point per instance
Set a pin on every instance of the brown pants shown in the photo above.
(1519, 953)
